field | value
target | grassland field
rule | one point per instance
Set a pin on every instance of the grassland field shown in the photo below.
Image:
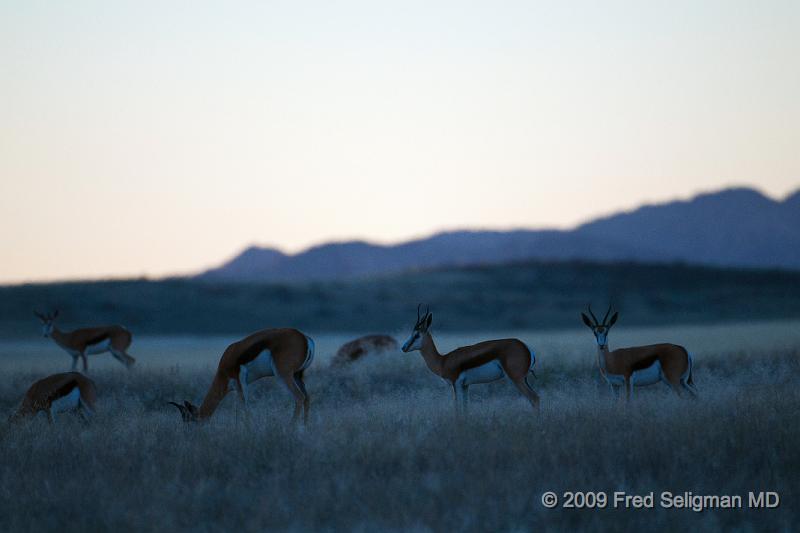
(384, 450)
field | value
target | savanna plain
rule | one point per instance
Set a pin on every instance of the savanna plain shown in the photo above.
(384, 449)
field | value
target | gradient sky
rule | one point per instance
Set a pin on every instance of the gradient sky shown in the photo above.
(162, 137)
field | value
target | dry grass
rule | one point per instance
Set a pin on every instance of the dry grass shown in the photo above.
(384, 450)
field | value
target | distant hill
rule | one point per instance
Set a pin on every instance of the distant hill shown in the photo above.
(733, 228)
(531, 295)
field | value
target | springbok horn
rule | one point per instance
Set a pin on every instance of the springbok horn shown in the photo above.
(607, 313)
(419, 306)
(179, 406)
(191, 408)
(596, 323)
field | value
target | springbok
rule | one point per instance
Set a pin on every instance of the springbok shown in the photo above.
(640, 366)
(285, 353)
(68, 391)
(361, 346)
(479, 363)
(89, 341)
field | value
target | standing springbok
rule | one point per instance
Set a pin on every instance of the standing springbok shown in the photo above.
(69, 391)
(89, 341)
(640, 365)
(285, 353)
(479, 363)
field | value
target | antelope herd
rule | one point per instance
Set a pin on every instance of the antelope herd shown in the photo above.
(286, 354)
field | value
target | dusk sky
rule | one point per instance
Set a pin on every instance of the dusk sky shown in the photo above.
(151, 138)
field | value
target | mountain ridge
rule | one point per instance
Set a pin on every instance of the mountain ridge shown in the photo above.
(734, 227)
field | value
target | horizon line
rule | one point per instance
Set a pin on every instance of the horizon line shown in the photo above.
(398, 242)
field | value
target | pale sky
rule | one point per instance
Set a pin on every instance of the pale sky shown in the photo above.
(150, 138)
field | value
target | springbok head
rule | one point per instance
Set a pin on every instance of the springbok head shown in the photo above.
(414, 341)
(189, 412)
(600, 329)
(47, 322)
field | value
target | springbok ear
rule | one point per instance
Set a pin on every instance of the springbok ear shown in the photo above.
(428, 322)
(55, 313)
(613, 319)
(38, 315)
(586, 320)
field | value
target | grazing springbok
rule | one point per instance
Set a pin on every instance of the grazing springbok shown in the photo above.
(285, 353)
(361, 346)
(479, 363)
(89, 341)
(69, 391)
(640, 365)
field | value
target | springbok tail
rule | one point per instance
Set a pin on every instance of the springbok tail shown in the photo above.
(309, 353)
(689, 384)
(533, 362)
